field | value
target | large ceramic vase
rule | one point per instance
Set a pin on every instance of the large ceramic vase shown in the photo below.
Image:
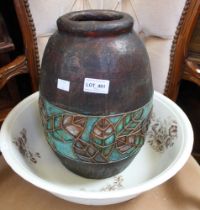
(95, 92)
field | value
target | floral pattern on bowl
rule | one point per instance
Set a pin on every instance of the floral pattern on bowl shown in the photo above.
(167, 147)
(162, 133)
(21, 143)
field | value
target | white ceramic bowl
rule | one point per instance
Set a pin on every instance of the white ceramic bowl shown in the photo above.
(168, 146)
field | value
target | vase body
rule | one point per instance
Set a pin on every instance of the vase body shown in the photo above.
(95, 92)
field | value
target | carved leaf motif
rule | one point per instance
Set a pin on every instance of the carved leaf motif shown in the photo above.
(103, 136)
(103, 129)
(128, 143)
(146, 122)
(42, 111)
(129, 124)
(74, 125)
(87, 152)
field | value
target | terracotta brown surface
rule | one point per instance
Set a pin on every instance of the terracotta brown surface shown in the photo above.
(100, 45)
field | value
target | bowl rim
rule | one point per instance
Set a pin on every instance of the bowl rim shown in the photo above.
(180, 160)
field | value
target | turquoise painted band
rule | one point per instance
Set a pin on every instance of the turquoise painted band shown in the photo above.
(95, 139)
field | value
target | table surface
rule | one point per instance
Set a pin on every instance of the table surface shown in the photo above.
(182, 192)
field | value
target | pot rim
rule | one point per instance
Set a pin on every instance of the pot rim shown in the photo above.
(95, 22)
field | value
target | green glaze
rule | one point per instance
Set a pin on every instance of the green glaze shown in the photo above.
(95, 139)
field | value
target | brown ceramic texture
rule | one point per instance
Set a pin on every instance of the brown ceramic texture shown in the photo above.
(102, 45)
(98, 44)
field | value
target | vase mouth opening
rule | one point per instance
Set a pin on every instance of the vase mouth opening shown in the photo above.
(95, 22)
(93, 17)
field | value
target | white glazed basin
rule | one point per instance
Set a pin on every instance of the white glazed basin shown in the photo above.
(168, 146)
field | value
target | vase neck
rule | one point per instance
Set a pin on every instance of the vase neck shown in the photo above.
(95, 23)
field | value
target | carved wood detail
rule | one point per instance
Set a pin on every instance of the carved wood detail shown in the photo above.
(192, 72)
(180, 47)
(16, 67)
(30, 40)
